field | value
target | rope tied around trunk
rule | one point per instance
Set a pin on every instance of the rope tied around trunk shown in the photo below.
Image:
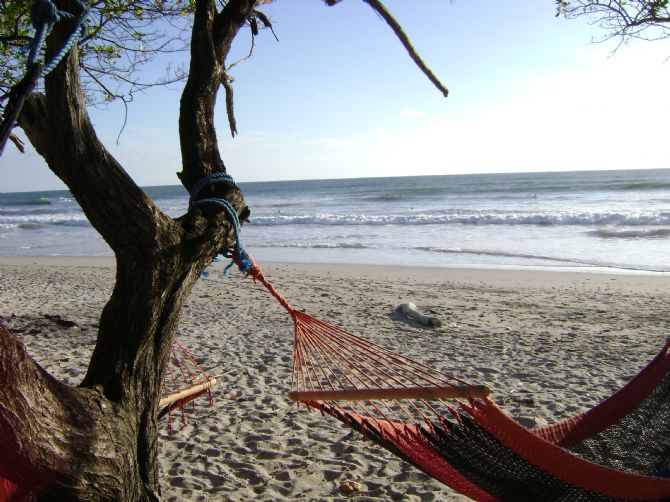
(237, 253)
(44, 15)
(244, 261)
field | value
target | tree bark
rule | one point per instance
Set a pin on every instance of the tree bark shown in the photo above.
(99, 441)
(213, 34)
(60, 440)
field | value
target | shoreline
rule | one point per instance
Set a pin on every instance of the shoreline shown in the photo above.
(549, 344)
(422, 271)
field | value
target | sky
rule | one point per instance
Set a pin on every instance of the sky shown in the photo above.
(338, 97)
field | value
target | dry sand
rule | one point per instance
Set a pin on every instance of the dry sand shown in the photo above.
(548, 344)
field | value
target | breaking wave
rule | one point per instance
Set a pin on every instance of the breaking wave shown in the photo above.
(623, 233)
(472, 218)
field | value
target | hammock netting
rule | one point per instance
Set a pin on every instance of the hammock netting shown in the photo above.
(450, 429)
(185, 382)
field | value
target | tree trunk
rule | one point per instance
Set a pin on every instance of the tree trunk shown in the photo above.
(98, 441)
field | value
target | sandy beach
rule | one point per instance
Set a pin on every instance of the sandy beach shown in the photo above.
(549, 344)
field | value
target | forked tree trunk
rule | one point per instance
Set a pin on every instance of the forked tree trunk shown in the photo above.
(98, 441)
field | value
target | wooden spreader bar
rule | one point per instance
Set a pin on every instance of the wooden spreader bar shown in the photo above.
(188, 391)
(428, 393)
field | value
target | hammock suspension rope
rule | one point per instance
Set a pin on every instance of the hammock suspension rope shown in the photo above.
(243, 260)
(44, 16)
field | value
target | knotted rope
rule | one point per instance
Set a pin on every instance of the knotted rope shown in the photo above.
(244, 261)
(44, 15)
(237, 253)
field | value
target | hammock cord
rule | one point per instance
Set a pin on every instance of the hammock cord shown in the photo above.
(244, 261)
(237, 253)
(330, 364)
(188, 382)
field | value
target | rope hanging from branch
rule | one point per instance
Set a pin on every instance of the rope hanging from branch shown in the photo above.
(44, 15)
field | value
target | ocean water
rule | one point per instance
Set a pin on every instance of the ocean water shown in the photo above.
(615, 221)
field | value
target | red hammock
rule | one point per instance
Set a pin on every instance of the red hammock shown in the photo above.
(186, 382)
(469, 443)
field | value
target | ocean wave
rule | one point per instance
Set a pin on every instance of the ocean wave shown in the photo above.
(341, 245)
(504, 254)
(42, 221)
(31, 226)
(562, 260)
(37, 201)
(388, 197)
(313, 245)
(530, 258)
(644, 185)
(515, 187)
(472, 218)
(22, 212)
(73, 223)
(621, 233)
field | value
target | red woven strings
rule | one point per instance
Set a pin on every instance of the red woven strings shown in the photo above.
(8, 490)
(327, 358)
(359, 382)
(183, 372)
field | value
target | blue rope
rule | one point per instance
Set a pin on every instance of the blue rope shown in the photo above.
(208, 180)
(44, 15)
(78, 31)
(244, 260)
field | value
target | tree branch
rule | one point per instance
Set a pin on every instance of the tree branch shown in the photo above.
(17, 143)
(213, 33)
(647, 20)
(380, 9)
(230, 106)
(131, 224)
